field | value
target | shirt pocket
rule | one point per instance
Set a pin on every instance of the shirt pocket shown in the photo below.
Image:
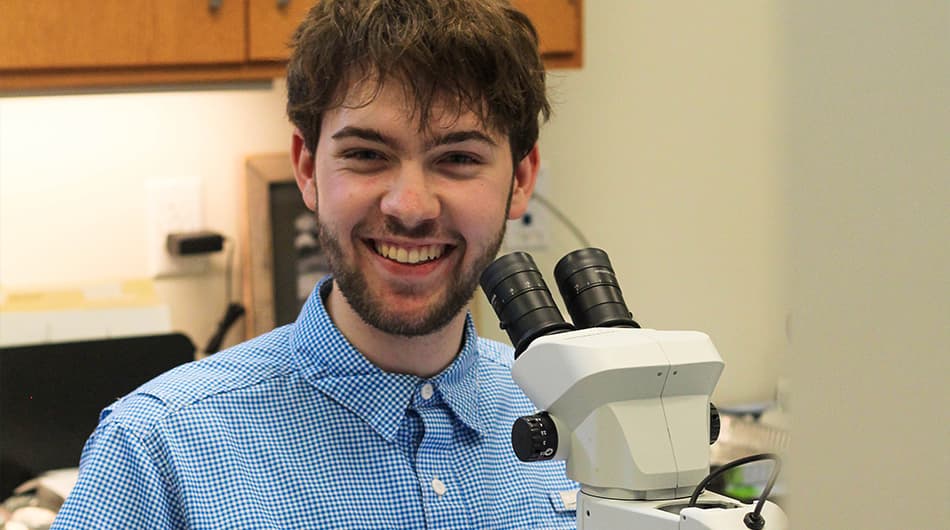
(564, 510)
(564, 501)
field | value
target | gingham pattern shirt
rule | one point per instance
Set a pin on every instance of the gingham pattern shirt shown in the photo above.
(296, 429)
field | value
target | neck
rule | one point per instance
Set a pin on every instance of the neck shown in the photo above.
(423, 355)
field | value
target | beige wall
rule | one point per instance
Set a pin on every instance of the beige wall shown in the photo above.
(868, 188)
(663, 148)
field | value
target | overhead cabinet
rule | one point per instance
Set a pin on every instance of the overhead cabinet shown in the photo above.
(559, 29)
(44, 34)
(270, 26)
(56, 44)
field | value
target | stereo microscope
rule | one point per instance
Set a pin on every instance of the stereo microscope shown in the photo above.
(627, 408)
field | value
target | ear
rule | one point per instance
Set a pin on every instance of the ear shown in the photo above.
(302, 160)
(526, 174)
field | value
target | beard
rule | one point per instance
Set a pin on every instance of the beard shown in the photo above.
(354, 287)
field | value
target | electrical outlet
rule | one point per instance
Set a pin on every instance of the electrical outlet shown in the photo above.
(172, 205)
(530, 232)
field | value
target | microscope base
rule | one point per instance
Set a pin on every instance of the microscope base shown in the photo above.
(713, 512)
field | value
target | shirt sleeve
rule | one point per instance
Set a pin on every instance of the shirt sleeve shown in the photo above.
(119, 486)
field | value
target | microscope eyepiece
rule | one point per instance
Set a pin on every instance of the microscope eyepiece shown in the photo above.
(521, 299)
(590, 290)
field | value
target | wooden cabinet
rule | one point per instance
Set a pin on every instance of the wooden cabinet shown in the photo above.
(559, 29)
(270, 27)
(55, 44)
(46, 34)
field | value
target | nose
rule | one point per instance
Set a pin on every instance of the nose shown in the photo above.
(410, 198)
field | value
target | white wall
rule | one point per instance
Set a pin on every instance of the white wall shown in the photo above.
(73, 170)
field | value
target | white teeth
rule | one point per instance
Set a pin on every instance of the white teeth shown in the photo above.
(410, 255)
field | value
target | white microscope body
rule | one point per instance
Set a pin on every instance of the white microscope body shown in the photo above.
(627, 408)
(631, 410)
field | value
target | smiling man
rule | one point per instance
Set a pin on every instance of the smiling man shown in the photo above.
(409, 216)
(416, 124)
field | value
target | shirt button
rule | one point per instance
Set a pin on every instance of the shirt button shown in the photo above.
(439, 487)
(426, 391)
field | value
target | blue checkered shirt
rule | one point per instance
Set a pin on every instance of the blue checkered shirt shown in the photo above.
(296, 429)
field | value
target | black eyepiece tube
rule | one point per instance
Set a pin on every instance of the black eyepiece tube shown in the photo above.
(590, 290)
(521, 299)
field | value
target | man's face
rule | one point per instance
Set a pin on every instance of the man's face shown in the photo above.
(409, 218)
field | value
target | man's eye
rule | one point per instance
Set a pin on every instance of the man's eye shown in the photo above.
(460, 159)
(363, 154)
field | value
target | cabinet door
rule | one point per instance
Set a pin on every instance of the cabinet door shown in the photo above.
(559, 28)
(49, 34)
(271, 23)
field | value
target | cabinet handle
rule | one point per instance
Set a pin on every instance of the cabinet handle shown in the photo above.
(214, 5)
(282, 3)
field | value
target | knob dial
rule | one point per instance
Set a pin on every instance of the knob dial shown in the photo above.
(714, 424)
(534, 437)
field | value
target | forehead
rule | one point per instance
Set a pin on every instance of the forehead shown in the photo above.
(368, 102)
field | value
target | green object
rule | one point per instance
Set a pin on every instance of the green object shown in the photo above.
(736, 486)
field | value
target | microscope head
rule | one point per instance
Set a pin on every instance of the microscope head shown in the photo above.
(627, 408)
(636, 398)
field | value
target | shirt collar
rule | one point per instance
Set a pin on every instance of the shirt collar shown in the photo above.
(328, 361)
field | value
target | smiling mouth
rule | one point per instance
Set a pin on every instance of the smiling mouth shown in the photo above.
(409, 255)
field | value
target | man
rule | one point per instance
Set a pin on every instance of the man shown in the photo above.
(416, 127)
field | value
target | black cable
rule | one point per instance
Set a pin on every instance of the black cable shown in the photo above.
(756, 514)
(227, 270)
(232, 312)
(561, 217)
(231, 315)
(754, 518)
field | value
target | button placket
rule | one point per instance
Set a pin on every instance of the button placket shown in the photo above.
(434, 464)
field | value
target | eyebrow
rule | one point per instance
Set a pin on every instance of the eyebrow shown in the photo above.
(373, 135)
(459, 137)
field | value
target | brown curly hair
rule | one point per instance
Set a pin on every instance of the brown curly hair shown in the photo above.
(480, 54)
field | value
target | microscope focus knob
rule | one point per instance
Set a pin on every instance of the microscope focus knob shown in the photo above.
(714, 424)
(534, 437)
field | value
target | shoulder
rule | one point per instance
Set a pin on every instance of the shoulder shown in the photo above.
(496, 353)
(496, 385)
(233, 370)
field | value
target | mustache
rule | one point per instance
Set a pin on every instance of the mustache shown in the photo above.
(391, 226)
(425, 229)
